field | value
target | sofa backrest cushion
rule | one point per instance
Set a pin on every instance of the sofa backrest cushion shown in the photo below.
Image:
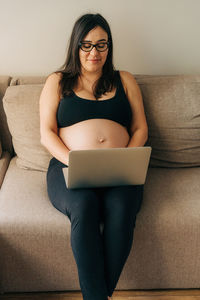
(0, 149)
(21, 104)
(172, 106)
(25, 80)
(5, 136)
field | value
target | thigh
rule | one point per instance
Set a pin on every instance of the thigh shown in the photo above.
(122, 200)
(69, 201)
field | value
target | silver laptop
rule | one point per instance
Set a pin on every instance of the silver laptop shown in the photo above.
(107, 167)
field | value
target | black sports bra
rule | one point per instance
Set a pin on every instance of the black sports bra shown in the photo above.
(73, 109)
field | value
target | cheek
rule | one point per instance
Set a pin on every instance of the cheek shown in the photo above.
(82, 57)
(105, 57)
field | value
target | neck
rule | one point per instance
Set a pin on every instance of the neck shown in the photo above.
(90, 77)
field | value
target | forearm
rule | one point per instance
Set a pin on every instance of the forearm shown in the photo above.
(55, 146)
(138, 139)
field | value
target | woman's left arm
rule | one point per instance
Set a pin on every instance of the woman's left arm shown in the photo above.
(139, 128)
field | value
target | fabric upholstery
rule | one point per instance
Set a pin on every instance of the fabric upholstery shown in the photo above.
(35, 248)
(172, 106)
(5, 135)
(21, 104)
(0, 149)
(35, 237)
(24, 80)
(4, 162)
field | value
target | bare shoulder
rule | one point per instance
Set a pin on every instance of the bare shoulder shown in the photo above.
(127, 77)
(52, 85)
(126, 74)
(54, 77)
(128, 81)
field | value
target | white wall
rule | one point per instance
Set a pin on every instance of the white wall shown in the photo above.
(150, 36)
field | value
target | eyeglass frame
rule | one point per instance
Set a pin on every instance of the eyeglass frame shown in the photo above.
(94, 45)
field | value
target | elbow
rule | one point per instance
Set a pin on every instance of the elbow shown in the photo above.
(42, 141)
(42, 136)
(146, 135)
(46, 136)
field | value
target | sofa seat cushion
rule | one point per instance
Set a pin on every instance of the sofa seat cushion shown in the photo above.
(35, 237)
(35, 243)
(166, 253)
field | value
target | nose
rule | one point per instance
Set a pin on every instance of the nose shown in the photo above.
(94, 51)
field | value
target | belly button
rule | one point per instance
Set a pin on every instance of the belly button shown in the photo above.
(101, 140)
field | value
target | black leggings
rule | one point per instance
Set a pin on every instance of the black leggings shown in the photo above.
(100, 255)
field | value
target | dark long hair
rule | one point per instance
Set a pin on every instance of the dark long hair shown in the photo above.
(71, 69)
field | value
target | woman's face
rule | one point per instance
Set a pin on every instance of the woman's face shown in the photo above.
(94, 60)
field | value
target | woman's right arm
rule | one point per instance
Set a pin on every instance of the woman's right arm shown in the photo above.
(49, 100)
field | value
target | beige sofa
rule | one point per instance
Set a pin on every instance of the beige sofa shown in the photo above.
(35, 251)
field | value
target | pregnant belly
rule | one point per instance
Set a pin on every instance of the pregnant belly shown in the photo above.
(93, 134)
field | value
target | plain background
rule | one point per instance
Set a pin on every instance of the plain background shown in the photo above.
(150, 36)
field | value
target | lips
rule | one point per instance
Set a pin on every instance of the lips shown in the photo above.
(94, 60)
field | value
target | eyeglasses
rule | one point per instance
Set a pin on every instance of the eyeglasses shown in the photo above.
(87, 47)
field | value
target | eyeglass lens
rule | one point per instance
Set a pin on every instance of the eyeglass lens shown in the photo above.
(88, 46)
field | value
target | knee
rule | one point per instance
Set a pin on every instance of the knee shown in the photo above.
(123, 203)
(84, 207)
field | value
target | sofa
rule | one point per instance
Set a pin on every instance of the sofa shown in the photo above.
(35, 250)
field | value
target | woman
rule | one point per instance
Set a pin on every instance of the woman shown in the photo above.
(89, 105)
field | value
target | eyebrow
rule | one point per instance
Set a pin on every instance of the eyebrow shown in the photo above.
(97, 41)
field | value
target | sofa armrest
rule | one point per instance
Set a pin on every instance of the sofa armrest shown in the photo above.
(4, 163)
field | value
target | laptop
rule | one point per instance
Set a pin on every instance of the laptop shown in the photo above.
(107, 167)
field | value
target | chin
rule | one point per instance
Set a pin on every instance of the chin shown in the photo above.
(94, 69)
